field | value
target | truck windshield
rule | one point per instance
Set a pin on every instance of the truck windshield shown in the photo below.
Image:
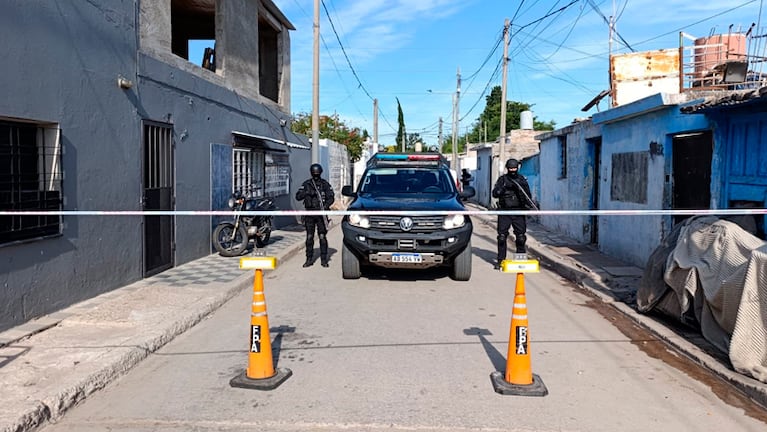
(406, 181)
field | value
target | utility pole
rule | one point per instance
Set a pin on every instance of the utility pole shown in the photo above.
(610, 57)
(439, 136)
(456, 104)
(502, 152)
(316, 87)
(375, 125)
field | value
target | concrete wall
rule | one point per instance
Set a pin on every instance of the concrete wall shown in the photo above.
(202, 114)
(484, 177)
(575, 191)
(61, 73)
(334, 158)
(67, 58)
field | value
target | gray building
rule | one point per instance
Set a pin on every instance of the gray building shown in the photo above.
(103, 110)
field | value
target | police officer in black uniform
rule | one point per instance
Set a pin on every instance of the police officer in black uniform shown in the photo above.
(317, 194)
(513, 193)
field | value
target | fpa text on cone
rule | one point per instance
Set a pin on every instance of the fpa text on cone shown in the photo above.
(260, 373)
(519, 378)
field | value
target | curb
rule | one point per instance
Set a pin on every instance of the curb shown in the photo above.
(52, 408)
(587, 280)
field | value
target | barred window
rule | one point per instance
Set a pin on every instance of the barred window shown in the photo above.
(248, 172)
(30, 179)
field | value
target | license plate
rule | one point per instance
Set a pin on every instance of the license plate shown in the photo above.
(406, 258)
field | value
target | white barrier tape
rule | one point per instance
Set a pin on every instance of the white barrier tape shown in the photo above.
(692, 212)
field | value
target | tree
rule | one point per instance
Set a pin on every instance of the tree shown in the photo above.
(400, 125)
(490, 119)
(333, 129)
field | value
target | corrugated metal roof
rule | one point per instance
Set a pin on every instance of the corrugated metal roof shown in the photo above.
(728, 99)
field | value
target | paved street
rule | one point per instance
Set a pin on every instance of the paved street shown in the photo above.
(408, 351)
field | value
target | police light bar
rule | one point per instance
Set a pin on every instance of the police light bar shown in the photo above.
(390, 156)
(400, 159)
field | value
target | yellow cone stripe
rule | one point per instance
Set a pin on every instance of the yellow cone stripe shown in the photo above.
(519, 317)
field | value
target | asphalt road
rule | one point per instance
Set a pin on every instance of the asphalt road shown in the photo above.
(408, 351)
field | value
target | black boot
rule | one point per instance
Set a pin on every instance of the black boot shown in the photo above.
(502, 249)
(309, 262)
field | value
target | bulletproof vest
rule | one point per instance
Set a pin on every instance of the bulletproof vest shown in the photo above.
(510, 198)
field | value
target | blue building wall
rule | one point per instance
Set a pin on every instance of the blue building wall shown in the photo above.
(741, 156)
(576, 190)
(645, 129)
(530, 168)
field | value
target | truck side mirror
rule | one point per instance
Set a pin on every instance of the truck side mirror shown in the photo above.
(348, 191)
(467, 192)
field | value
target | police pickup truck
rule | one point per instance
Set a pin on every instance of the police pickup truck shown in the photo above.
(394, 228)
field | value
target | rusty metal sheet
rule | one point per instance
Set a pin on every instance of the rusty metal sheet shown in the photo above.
(638, 75)
(645, 65)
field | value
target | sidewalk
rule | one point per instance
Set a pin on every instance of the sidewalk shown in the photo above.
(616, 283)
(49, 365)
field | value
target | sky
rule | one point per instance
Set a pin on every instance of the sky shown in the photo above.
(411, 50)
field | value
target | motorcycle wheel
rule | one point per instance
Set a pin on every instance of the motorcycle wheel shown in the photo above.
(227, 242)
(263, 240)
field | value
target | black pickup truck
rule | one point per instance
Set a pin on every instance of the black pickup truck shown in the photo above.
(394, 229)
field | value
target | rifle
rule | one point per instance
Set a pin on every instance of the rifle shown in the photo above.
(529, 200)
(325, 219)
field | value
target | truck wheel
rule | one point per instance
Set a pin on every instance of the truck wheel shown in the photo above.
(350, 264)
(461, 270)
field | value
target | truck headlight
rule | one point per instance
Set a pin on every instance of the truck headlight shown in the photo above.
(454, 221)
(359, 221)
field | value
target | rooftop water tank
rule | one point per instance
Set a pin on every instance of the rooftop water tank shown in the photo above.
(712, 51)
(526, 120)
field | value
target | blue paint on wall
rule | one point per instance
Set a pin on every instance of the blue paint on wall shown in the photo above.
(220, 179)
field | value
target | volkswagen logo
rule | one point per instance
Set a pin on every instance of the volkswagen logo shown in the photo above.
(406, 224)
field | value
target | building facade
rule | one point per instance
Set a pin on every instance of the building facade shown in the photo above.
(105, 111)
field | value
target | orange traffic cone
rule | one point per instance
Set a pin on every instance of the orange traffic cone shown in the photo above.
(260, 373)
(519, 378)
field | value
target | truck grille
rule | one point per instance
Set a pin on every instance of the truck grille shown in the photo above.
(420, 223)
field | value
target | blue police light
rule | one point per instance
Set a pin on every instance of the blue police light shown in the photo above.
(385, 156)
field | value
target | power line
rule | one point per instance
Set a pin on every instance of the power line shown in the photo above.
(346, 56)
(610, 24)
(497, 68)
(696, 22)
(487, 86)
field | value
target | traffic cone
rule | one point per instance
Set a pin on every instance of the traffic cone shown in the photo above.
(260, 373)
(519, 378)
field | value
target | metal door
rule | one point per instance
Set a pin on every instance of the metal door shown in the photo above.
(159, 195)
(692, 154)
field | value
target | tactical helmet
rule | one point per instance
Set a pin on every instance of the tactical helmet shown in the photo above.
(315, 170)
(512, 163)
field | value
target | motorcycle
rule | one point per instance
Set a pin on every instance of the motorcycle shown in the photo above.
(231, 238)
